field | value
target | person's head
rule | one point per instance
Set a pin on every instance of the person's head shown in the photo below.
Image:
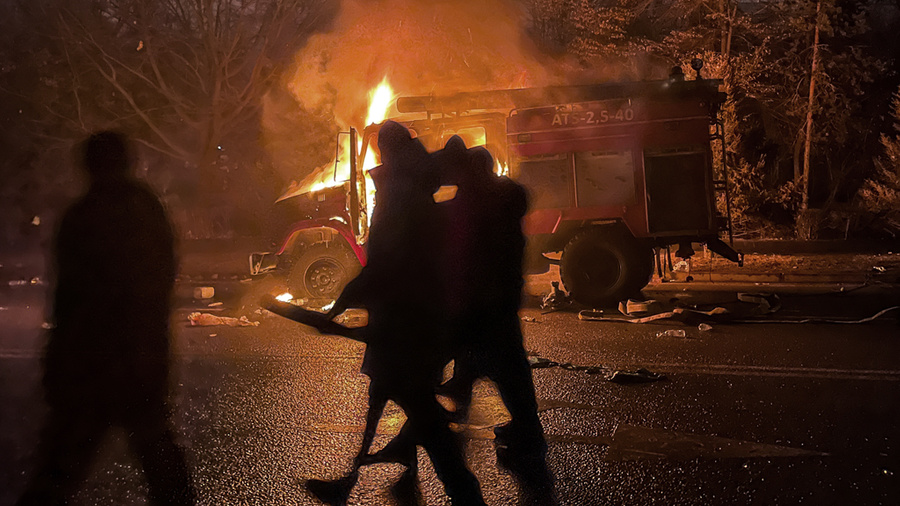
(404, 160)
(482, 162)
(452, 161)
(106, 155)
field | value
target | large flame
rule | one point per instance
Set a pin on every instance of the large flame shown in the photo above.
(381, 98)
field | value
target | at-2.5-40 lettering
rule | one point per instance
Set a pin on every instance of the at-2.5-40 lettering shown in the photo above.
(572, 118)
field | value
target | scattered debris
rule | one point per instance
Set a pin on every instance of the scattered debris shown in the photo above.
(555, 300)
(639, 376)
(204, 292)
(206, 319)
(214, 304)
(672, 333)
(18, 282)
(633, 307)
(616, 376)
(879, 268)
(590, 314)
(686, 316)
(529, 319)
(768, 302)
(704, 327)
(541, 363)
(824, 320)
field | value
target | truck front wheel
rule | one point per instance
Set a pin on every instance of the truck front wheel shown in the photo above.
(322, 270)
(604, 265)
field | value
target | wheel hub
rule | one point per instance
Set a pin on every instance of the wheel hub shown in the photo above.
(323, 277)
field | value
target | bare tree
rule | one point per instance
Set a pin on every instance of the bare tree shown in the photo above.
(188, 73)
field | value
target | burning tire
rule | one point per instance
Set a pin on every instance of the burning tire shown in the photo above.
(322, 270)
(604, 265)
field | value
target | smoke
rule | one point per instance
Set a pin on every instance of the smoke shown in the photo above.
(437, 47)
(422, 47)
(440, 47)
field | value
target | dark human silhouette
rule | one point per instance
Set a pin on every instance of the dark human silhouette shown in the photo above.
(483, 264)
(406, 349)
(106, 362)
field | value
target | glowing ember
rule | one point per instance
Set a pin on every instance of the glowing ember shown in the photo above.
(285, 297)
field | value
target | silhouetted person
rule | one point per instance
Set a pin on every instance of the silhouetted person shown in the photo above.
(483, 261)
(401, 289)
(106, 362)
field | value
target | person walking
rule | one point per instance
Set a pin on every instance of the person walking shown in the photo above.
(405, 339)
(483, 261)
(106, 361)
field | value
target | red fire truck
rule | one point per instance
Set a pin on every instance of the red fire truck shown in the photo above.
(616, 173)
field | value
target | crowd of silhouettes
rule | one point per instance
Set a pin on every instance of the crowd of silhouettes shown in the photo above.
(443, 282)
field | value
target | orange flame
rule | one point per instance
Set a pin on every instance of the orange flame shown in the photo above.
(381, 98)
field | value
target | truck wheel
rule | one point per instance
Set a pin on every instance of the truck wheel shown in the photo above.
(322, 270)
(602, 266)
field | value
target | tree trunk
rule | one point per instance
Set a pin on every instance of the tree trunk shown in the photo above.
(804, 204)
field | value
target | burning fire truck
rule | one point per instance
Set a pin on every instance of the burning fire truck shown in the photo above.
(617, 173)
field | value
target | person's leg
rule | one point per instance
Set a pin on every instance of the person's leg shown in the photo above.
(429, 425)
(164, 461)
(459, 387)
(68, 444)
(521, 447)
(377, 402)
(336, 492)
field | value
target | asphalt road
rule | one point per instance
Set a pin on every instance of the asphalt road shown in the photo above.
(749, 413)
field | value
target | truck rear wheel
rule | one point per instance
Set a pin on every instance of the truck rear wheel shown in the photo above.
(322, 270)
(604, 265)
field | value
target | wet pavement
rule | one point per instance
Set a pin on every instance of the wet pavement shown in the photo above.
(748, 413)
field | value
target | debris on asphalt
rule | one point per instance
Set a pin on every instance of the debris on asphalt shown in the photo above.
(686, 316)
(639, 376)
(633, 307)
(204, 292)
(555, 300)
(672, 333)
(206, 319)
(541, 363)
(613, 375)
(590, 314)
(704, 327)
(529, 319)
(879, 268)
(824, 320)
(214, 304)
(767, 302)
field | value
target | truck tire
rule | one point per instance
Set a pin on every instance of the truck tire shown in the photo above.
(604, 265)
(321, 271)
